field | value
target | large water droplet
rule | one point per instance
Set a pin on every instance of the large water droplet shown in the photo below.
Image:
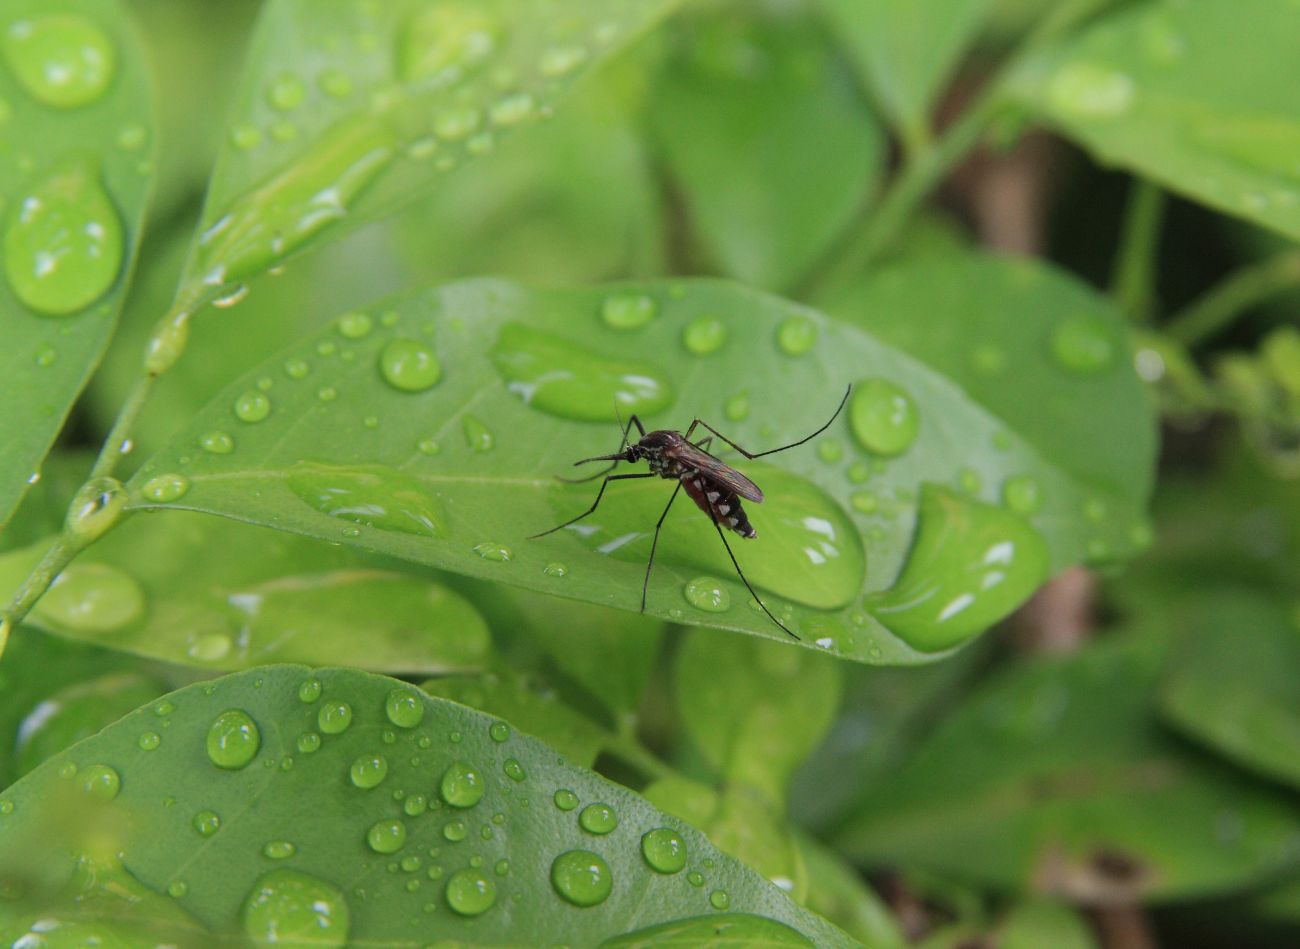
(289, 906)
(704, 335)
(883, 417)
(386, 836)
(409, 365)
(252, 406)
(372, 495)
(233, 739)
(101, 781)
(1083, 344)
(368, 771)
(63, 243)
(557, 376)
(628, 311)
(969, 566)
(598, 818)
(62, 60)
(1090, 91)
(91, 598)
(707, 593)
(664, 850)
(462, 785)
(470, 892)
(446, 41)
(334, 717)
(582, 877)
(404, 708)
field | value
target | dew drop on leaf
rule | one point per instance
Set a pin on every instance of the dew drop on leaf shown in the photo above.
(628, 311)
(470, 892)
(355, 325)
(165, 488)
(233, 739)
(101, 781)
(719, 899)
(334, 717)
(796, 336)
(289, 906)
(883, 417)
(707, 593)
(455, 830)
(664, 850)
(409, 365)
(149, 741)
(1083, 345)
(598, 818)
(252, 406)
(582, 877)
(279, 849)
(368, 771)
(499, 731)
(565, 799)
(372, 495)
(386, 836)
(704, 335)
(61, 60)
(404, 708)
(1022, 494)
(493, 551)
(309, 690)
(555, 569)
(512, 110)
(217, 443)
(478, 437)
(206, 823)
(285, 91)
(514, 770)
(462, 785)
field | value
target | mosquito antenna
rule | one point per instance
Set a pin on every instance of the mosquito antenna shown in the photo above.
(808, 438)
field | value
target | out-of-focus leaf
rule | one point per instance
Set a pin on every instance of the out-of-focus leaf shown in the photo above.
(1040, 923)
(76, 137)
(772, 149)
(1057, 779)
(728, 931)
(837, 891)
(271, 804)
(1187, 94)
(45, 505)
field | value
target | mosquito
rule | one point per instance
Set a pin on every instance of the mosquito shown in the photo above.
(715, 487)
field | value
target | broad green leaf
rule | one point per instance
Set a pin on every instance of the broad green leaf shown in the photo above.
(728, 931)
(282, 801)
(346, 110)
(1188, 94)
(76, 136)
(770, 145)
(1234, 683)
(214, 593)
(1056, 778)
(1038, 923)
(430, 427)
(1046, 355)
(907, 50)
(838, 892)
(754, 709)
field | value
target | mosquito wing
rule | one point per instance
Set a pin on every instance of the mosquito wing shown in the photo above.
(693, 457)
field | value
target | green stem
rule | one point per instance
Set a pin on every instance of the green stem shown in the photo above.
(1238, 292)
(1133, 281)
(630, 750)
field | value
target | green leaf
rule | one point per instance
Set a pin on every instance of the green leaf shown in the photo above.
(252, 827)
(1048, 779)
(772, 149)
(837, 891)
(210, 592)
(1037, 923)
(347, 110)
(755, 709)
(1187, 95)
(1046, 355)
(77, 131)
(712, 932)
(459, 473)
(45, 505)
(1235, 681)
(907, 51)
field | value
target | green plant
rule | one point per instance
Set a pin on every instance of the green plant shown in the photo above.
(324, 438)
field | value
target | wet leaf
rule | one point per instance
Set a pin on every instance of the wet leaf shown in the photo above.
(1187, 95)
(251, 827)
(77, 130)
(430, 427)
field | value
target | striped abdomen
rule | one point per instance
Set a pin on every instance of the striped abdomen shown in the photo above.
(719, 500)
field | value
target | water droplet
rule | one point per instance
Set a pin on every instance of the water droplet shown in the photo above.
(386, 836)
(555, 569)
(581, 877)
(1091, 91)
(719, 899)
(409, 365)
(1022, 494)
(707, 593)
(695, 878)
(6, 807)
(664, 850)
(462, 786)
(737, 407)
(883, 417)
(285, 92)
(514, 770)
(46, 356)
(308, 742)
(101, 781)
(149, 741)
(499, 731)
(63, 244)
(559, 61)
(598, 819)
(355, 325)
(279, 850)
(176, 889)
(704, 335)
(292, 907)
(491, 551)
(233, 739)
(334, 717)
(455, 830)
(429, 446)
(796, 335)
(470, 893)
(218, 443)
(296, 368)
(335, 83)
(61, 60)
(327, 393)
(165, 488)
(864, 502)
(91, 598)
(512, 110)
(414, 805)
(252, 406)
(477, 435)
(206, 823)
(1083, 344)
(565, 799)
(372, 495)
(404, 708)
(443, 43)
(501, 868)
(245, 137)
(369, 771)
(628, 311)
(969, 566)
(559, 377)
(309, 691)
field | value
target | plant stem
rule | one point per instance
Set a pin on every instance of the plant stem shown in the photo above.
(628, 748)
(1239, 291)
(112, 450)
(1133, 280)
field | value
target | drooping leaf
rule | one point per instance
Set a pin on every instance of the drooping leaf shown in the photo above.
(77, 134)
(274, 803)
(346, 110)
(430, 427)
(770, 145)
(907, 50)
(1057, 779)
(1187, 94)
(218, 594)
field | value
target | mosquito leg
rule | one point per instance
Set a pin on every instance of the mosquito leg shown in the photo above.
(745, 580)
(655, 543)
(599, 495)
(771, 451)
(704, 443)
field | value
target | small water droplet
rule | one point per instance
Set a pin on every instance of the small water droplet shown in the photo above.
(499, 731)
(1091, 91)
(628, 311)
(414, 805)
(368, 771)
(46, 356)
(217, 443)
(295, 908)
(598, 818)
(737, 407)
(565, 799)
(279, 850)
(101, 781)
(245, 137)
(830, 451)
(149, 741)
(233, 739)
(864, 502)
(719, 899)
(796, 336)
(664, 850)
(704, 335)
(555, 569)
(252, 406)
(492, 551)
(206, 823)
(582, 877)
(285, 92)
(308, 742)
(334, 717)
(514, 770)
(355, 324)
(386, 836)
(455, 830)
(309, 690)
(477, 435)
(470, 892)
(988, 359)
(429, 446)
(177, 889)
(404, 708)
(707, 593)
(1083, 344)
(462, 786)
(695, 878)
(1022, 494)
(327, 393)
(409, 365)
(883, 417)
(371, 495)
(165, 488)
(61, 60)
